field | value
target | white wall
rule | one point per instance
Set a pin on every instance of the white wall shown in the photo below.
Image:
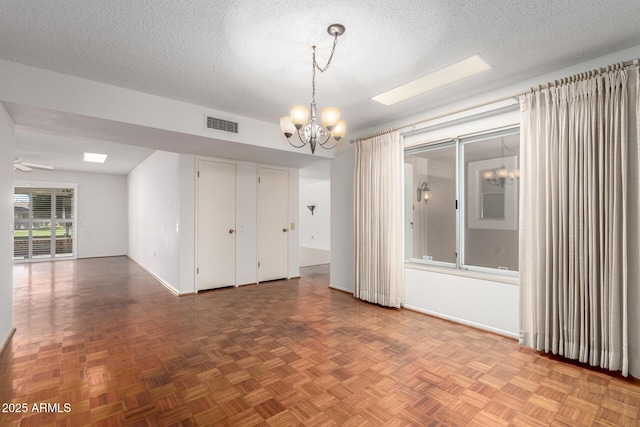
(7, 144)
(187, 223)
(101, 220)
(294, 218)
(315, 230)
(154, 216)
(343, 261)
(479, 302)
(162, 219)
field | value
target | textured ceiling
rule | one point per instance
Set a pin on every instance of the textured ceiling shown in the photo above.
(253, 58)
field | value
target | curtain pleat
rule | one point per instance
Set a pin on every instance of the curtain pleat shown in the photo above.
(379, 220)
(576, 220)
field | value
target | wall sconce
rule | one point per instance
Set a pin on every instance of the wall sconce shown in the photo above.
(311, 208)
(423, 192)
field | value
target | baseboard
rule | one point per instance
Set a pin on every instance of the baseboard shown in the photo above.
(165, 284)
(102, 256)
(337, 288)
(158, 278)
(466, 322)
(7, 340)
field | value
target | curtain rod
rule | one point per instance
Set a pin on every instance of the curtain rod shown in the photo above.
(482, 104)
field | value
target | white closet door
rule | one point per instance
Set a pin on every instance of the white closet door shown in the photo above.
(216, 225)
(273, 224)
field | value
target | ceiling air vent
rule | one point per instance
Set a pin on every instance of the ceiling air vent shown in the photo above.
(220, 124)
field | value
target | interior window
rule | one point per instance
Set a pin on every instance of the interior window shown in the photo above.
(461, 202)
(430, 175)
(491, 178)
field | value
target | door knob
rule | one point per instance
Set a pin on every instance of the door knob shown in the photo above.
(231, 231)
(284, 230)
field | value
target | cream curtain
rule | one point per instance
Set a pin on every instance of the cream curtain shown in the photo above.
(379, 221)
(579, 220)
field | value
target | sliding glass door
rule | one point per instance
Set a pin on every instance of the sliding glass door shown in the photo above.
(44, 223)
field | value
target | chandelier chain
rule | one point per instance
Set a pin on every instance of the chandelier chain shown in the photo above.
(322, 70)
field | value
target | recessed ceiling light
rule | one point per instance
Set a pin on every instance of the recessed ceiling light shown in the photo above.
(452, 73)
(94, 157)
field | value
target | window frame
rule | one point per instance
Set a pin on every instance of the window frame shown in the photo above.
(432, 146)
(458, 142)
(30, 220)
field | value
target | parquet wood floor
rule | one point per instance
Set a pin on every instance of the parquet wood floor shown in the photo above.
(104, 337)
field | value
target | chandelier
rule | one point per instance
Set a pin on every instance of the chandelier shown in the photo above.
(501, 175)
(302, 120)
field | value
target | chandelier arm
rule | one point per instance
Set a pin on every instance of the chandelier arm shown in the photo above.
(326, 139)
(294, 145)
(307, 131)
(300, 138)
(329, 148)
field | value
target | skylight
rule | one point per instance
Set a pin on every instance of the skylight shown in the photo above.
(452, 73)
(95, 157)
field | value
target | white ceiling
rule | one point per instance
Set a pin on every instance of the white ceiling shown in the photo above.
(253, 58)
(59, 139)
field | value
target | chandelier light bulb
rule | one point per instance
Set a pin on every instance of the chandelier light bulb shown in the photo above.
(287, 126)
(488, 175)
(330, 117)
(501, 176)
(299, 115)
(339, 130)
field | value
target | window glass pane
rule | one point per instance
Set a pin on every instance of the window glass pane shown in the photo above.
(43, 222)
(21, 241)
(430, 195)
(41, 203)
(491, 184)
(21, 204)
(41, 238)
(64, 237)
(21, 208)
(64, 203)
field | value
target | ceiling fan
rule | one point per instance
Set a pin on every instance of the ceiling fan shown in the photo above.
(28, 167)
